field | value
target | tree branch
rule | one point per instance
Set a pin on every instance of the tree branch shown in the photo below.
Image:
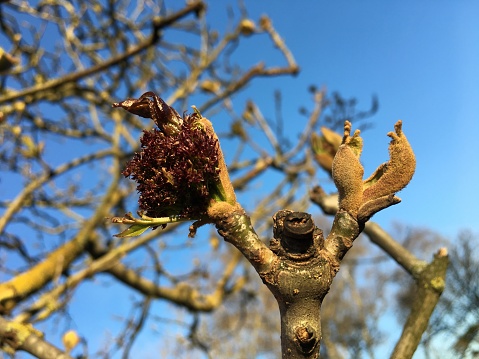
(19, 201)
(158, 24)
(35, 278)
(182, 294)
(236, 229)
(401, 255)
(15, 337)
(430, 285)
(377, 235)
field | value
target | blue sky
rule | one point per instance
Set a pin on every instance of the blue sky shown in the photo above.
(422, 61)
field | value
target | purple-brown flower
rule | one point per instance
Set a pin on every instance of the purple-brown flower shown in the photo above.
(177, 170)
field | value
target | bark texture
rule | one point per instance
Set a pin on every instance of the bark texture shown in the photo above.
(297, 268)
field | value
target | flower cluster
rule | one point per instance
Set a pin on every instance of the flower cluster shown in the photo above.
(175, 175)
(178, 168)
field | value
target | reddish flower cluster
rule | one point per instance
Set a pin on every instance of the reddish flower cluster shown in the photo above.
(176, 175)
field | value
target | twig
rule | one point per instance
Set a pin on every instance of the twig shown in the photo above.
(430, 285)
(15, 337)
(401, 255)
(18, 202)
(159, 24)
(181, 294)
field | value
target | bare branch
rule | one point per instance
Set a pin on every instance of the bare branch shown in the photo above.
(20, 337)
(430, 285)
(158, 24)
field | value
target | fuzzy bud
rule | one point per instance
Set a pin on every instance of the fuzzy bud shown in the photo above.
(364, 198)
(348, 172)
(394, 175)
(325, 147)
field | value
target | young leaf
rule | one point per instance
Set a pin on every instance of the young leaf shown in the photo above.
(134, 230)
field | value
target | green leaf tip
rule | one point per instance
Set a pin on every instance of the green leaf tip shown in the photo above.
(140, 225)
(133, 231)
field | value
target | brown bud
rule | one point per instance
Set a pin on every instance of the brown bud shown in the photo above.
(331, 137)
(247, 27)
(165, 117)
(394, 175)
(212, 86)
(364, 199)
(265, 23)
(325, 147)
(348, 172)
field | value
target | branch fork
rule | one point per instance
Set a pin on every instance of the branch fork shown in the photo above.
(299, 265)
